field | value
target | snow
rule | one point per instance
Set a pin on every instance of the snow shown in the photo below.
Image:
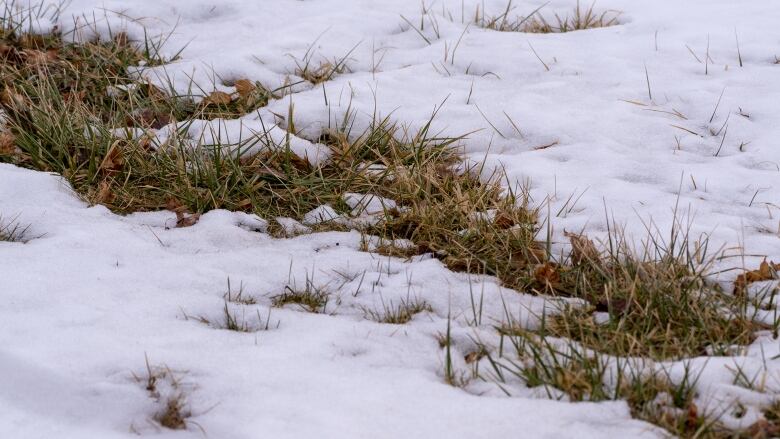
(92, 293)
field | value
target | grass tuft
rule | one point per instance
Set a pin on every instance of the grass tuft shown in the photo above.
(310, 298)
(12, 231)
(398, 314)
(579, 19)
(656, 302)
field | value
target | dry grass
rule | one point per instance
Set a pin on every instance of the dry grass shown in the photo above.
(311, 298)
(398, 314)
(579, 19)
(170, 392)
(12, 231)
(656, 302)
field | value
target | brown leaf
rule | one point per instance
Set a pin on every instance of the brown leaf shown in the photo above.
(582, 249)
(763, 429)
(766, 271)
(692, 419)
(503, 221)
(183, 217)
(7, 143)
(104, 194)
(36, 57)
(114, 160)
(217, 98)
(244, 87)
(13, 100)
(547, 274)
(185, 220)
(474, 356)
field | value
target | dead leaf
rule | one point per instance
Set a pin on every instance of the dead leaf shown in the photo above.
(13, 100)
(37, 57)
(763, 429)
(503, 221)
(582, 249)
(473, 357)
(7, 143)
(185, 220)
(218, 98)
(766, 271)
(244, 87)
(547, 274)
(183, 217)
(104, 194)
(114, 160)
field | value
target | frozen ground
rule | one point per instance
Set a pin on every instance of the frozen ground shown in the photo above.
(83, 302)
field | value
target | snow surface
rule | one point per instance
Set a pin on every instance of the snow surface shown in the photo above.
(91, 294)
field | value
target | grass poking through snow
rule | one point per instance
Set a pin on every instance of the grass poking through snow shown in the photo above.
(580, 18)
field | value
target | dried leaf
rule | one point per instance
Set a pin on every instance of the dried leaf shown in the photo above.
(504, 221)
(244, 87)
(114, 160)
(766, 271)
(183, 217)
(582, 249)
(547, 274)
(217, 98)
(104, 194)
(7, 143)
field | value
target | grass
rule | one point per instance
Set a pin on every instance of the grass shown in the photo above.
(70, 109)
(170, 392)
(579, 19)
(231, 320)
(657, 302)
(398, 314)
(12, 231)
(564, 370)
(310, 298)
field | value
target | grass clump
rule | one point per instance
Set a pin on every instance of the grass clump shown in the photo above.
(232, 321)
(655, 303)
(398, 314)
(311, 298)
(579, 19)
(563, 370)
(170, 392)
(12, 231)
(70, 108)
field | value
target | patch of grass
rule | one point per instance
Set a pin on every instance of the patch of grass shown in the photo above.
(317, 72)
(310, 298)
(12, 231)
(66, 107)
(656, 302)
(398, 314)
(563, 369)
(232, 321)
(238, 296)
(579, 19)
(170, 392)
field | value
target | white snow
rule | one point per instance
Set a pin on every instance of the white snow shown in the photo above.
(92, 293)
